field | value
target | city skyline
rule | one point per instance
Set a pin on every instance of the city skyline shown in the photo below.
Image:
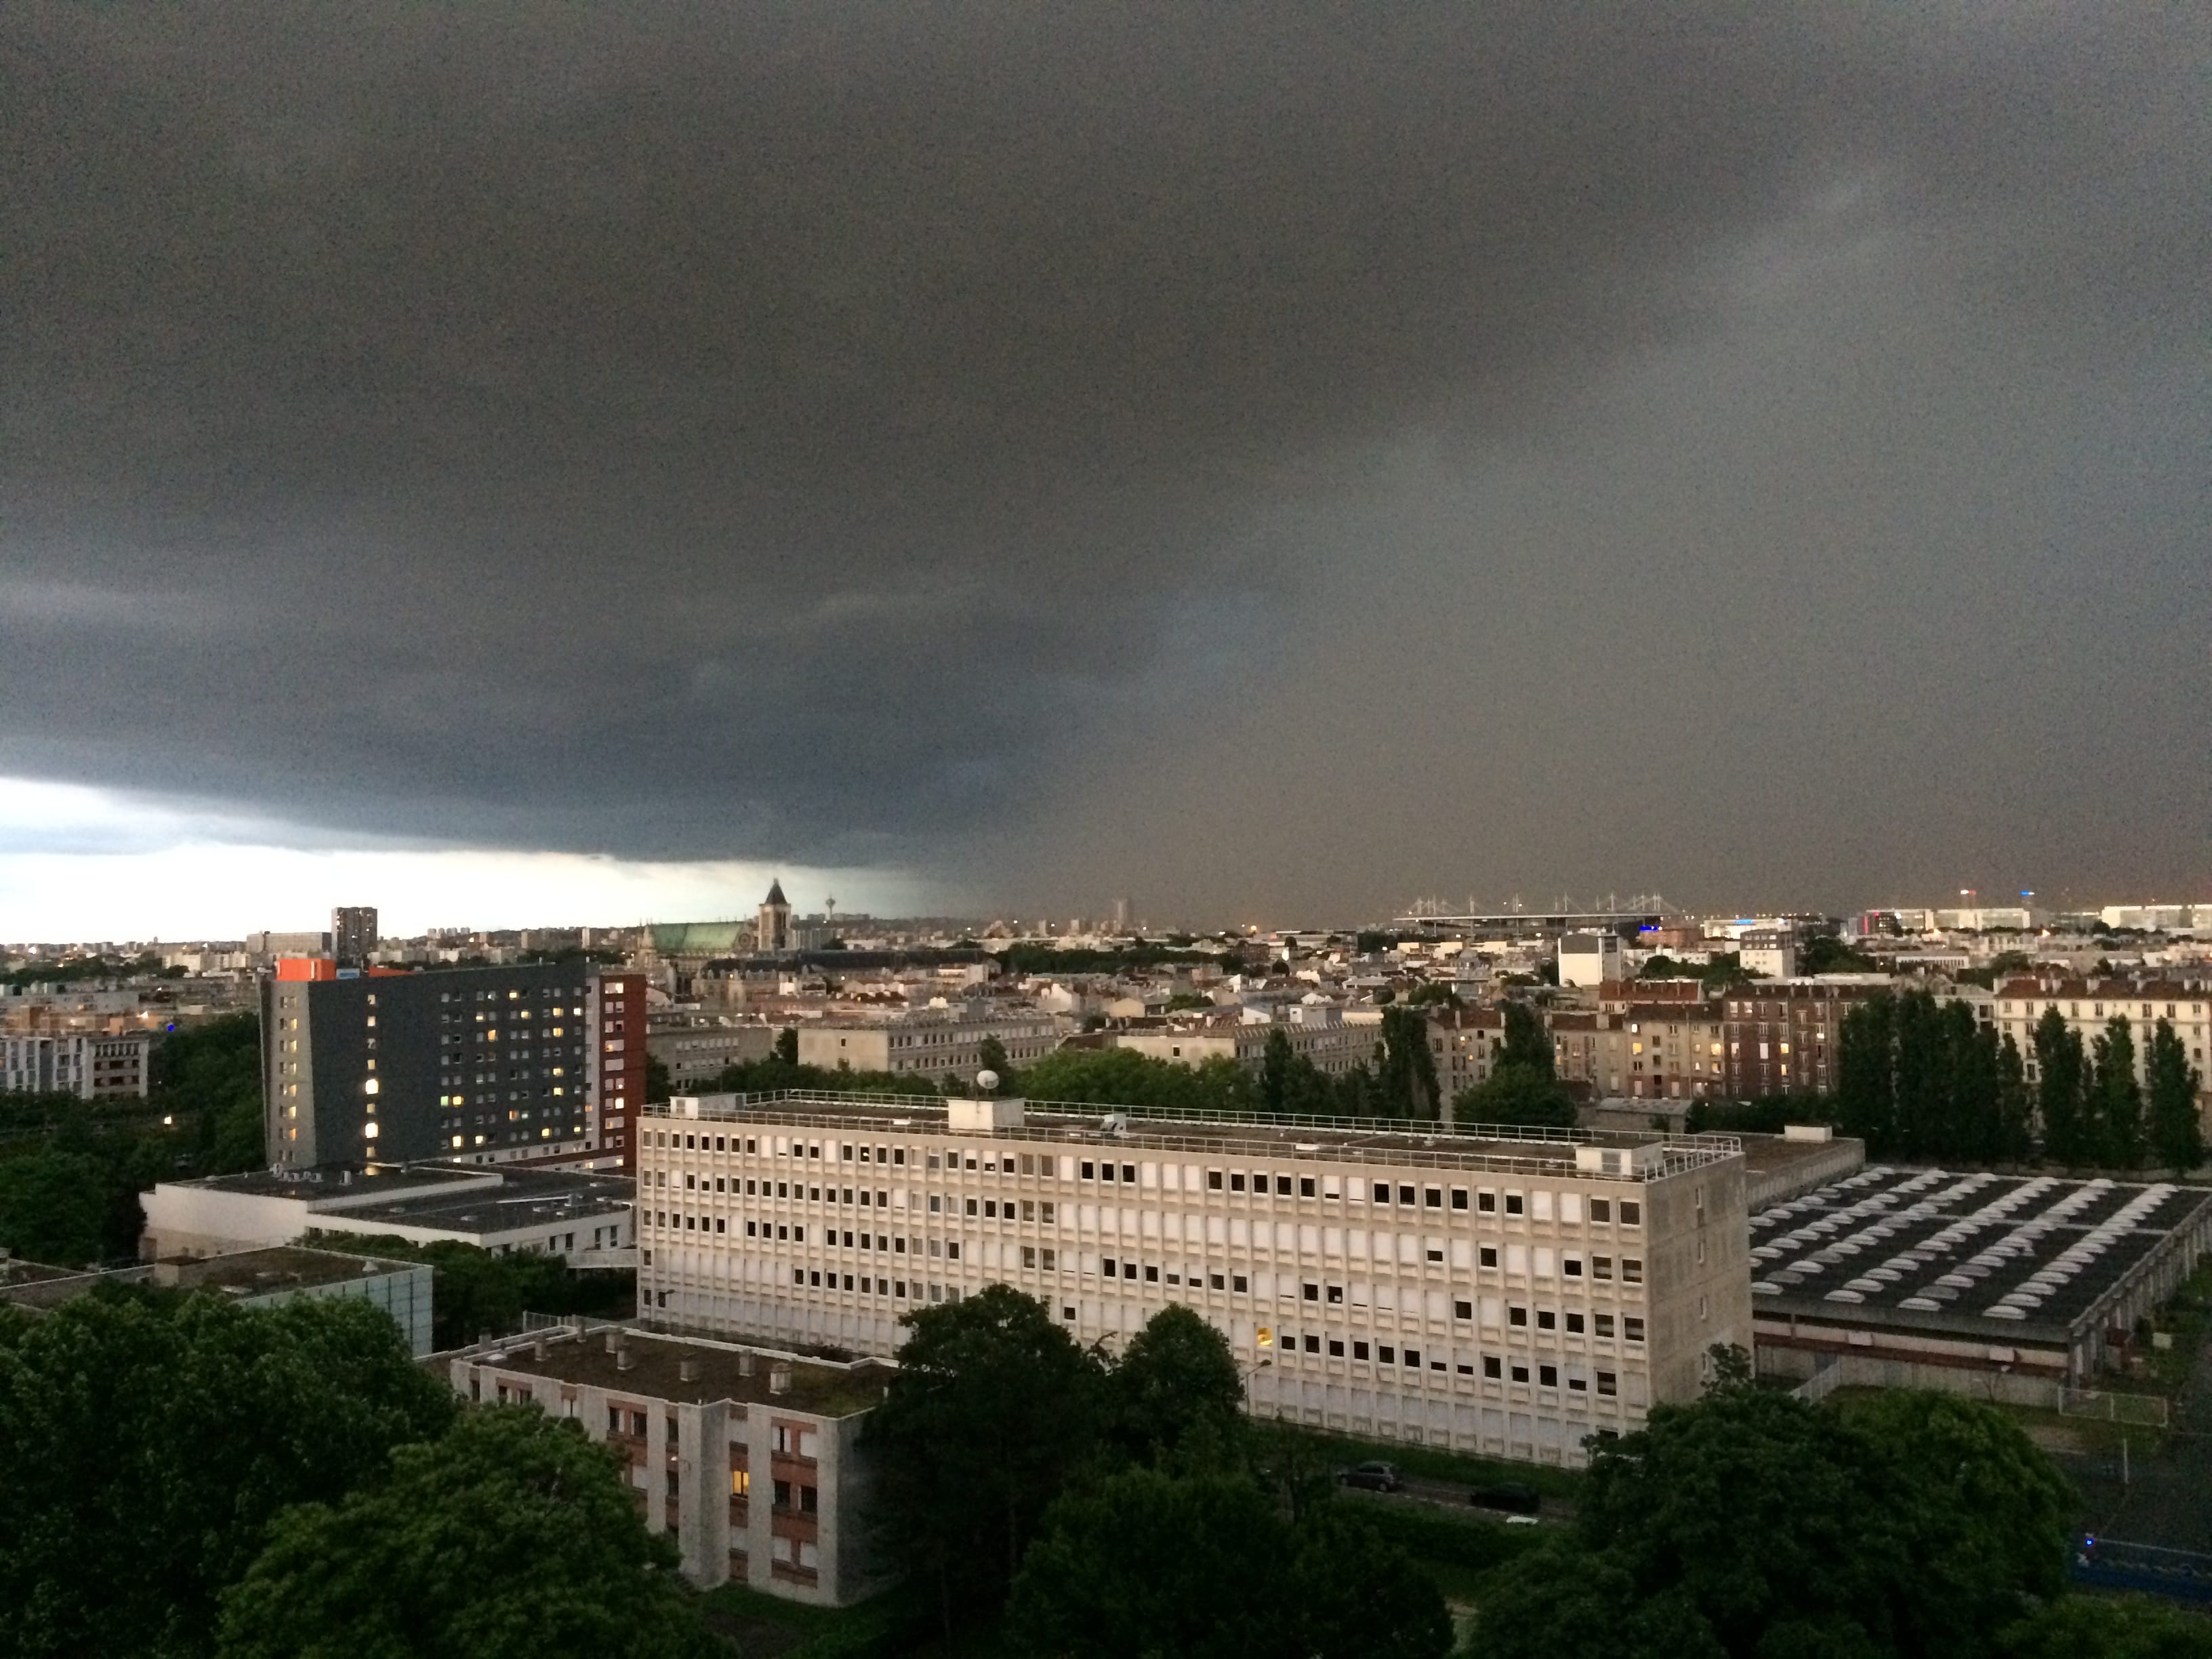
(1017, 464)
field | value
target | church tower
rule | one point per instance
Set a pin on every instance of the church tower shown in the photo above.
(773, 934)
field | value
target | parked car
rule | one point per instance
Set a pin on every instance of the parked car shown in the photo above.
(1521, 1521)
(1372, 1477)
(1508, 1495)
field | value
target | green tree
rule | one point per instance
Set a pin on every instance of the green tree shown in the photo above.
(1525, 1040)
(1176, 1389)
(1146, 1564)
(1408, 1076)
(2110, 1627)
(1825, 953)
(2060, 1075)
(1122, 1077)
(511, 1537)
(1866, 1074)
(147, 1440)
(1920, 1524)
(991, 1056)
(1516, 1093)
(476, 1293)
(993, 1407)
(658, 1084)
(2015, 1104)
(2118, 1096)
(2177, 1137)
(1360, 1597)
(786, 1045)
(1276, 1065)
(53, 1206)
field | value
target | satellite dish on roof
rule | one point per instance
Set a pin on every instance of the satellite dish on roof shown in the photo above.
(986, 1080)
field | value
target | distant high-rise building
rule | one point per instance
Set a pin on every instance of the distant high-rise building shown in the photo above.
(484, 1064)
(353, 934)
(773, 933)
(1121, 915)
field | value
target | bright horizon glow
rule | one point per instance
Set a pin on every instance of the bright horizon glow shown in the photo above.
(80, 865)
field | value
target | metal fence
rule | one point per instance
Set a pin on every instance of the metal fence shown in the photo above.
(1380, 1141)
(1822, 1383)
(2148, 1411)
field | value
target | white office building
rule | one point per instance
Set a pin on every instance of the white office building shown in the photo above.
(1505, 1291)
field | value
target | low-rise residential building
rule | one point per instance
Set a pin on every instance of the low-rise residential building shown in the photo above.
(698, 1052)
(583, 1216)
(748, 1456)
(1322, 1036)
(1463, 1043)
(1511, 1293)
(90, 1065)
(932, 1046)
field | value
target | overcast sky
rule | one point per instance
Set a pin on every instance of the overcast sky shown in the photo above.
(1270, 463)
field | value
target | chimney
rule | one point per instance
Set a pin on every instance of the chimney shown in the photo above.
(687, 1369)
(624, 1359)
(613, 1342)
(778, 1377)
(746, 1362)
(538, 1351)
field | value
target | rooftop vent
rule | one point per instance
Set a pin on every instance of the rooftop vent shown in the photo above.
(779, 1378)
(687, 1369)
(746, 1362)
(624, 1359)
(987, 1117)
(1620, 1160)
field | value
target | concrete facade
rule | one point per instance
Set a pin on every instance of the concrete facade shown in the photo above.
(932, 1047)
(481, 1063)
(571, 1215)
(90, 1065)
(749, 1456)
(1508, 1295)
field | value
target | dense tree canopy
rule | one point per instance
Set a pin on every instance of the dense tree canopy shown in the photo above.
(2062, 1080)
(148, 1439)
(1916, 1078)
(2177, 1138)
(1207, 1566)
(1175, 1384)
(1750, 1524)
(993, 1408)
(53, 1208)
(476, 1292)
(1524, 1086)
(511, 1537)
(71, 1170)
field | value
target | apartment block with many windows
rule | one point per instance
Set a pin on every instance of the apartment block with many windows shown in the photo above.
(485, 1064)
(2090, 1005)
(90, 1065)
(1505, 1291)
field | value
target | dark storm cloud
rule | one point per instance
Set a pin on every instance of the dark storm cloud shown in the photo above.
(834, 432)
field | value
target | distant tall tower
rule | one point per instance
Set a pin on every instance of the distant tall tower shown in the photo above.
(1121, 915)
(353, 934)
(773, 933)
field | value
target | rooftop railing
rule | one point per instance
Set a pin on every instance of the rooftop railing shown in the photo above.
(1420, 1142)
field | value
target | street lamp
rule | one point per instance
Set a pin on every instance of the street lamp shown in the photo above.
(1246, 1378)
